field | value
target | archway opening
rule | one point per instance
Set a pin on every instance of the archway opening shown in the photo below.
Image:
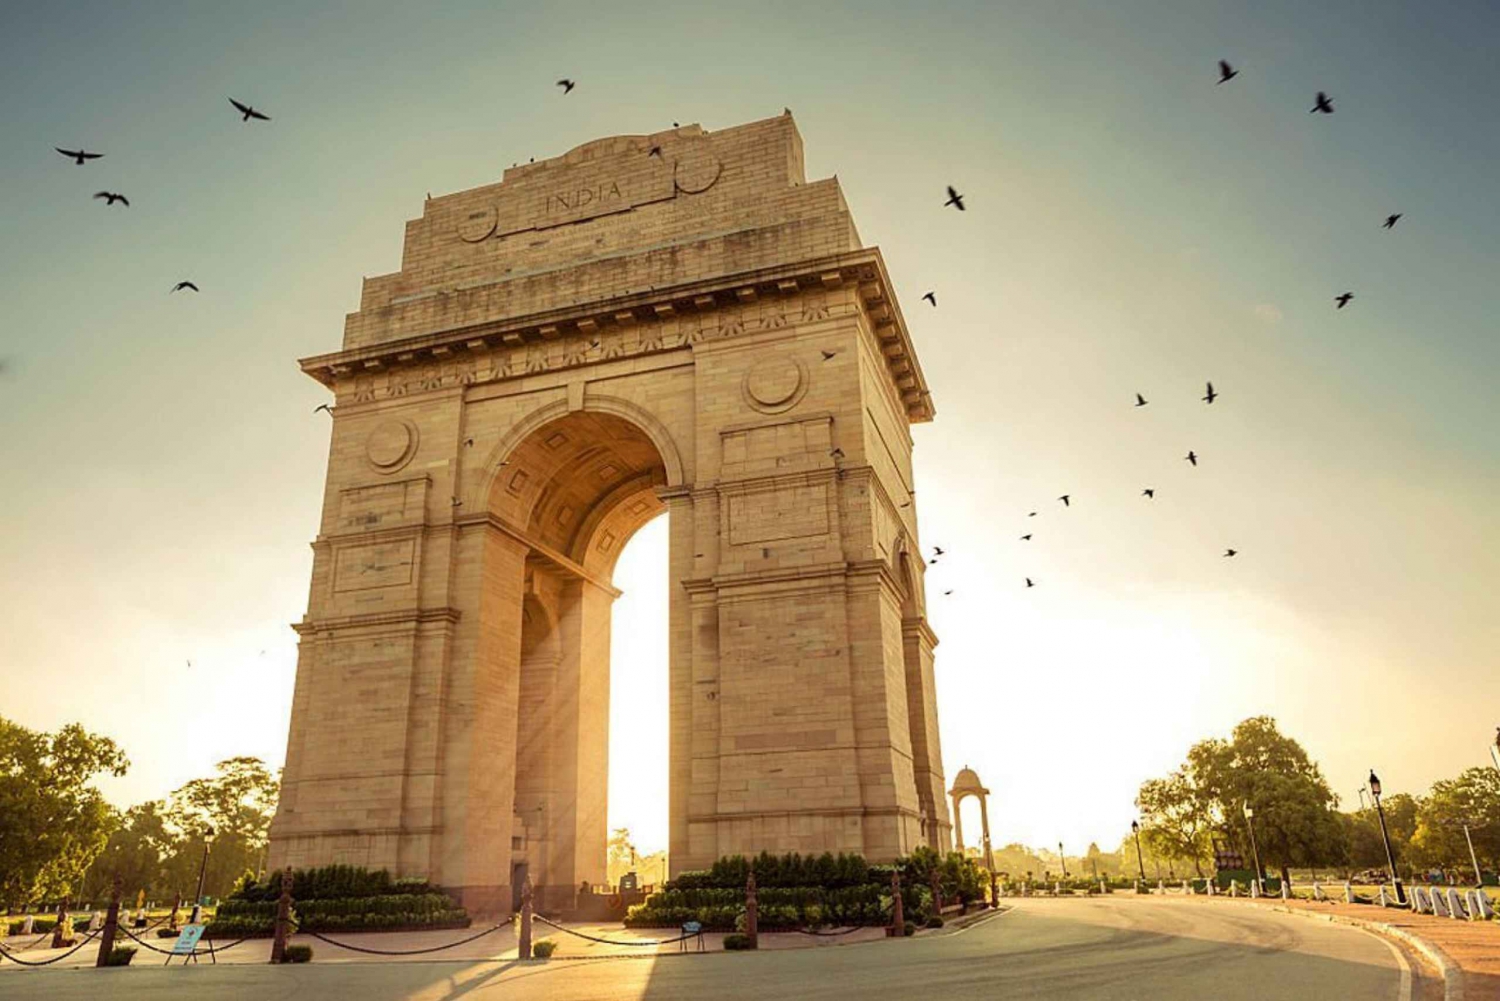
(573, 492)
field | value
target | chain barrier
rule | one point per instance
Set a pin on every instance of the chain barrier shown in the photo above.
(610, 941)
(833, 934)
(195, 952)
(55, 959)
(409, 952)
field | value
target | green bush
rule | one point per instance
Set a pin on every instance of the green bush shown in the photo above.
(332, 882)
(297, 954)
(737, 942)
(909, 929)
(543, 949)
(166, 933)
(120, 955)
(936, 921)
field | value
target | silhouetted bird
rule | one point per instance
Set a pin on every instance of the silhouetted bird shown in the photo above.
(931, 562)
(930, 297)
(937, 550)
(828, 355)
(1031, 515)
(468, 443)
(78, 155)
(1343, 300)
(1029, 583)
(1390, 220)
(248, 112)
(1191, 457)
(955, 199)
(110, 198)
(837, 453)
(1323, 105)
(1231, 552)
(1226, 71)
(1064, 499)
(1140, 400)
(566, 85)
(947, 592)
(323, 406)
(1026, 537)
(655, 151)
(1148, 492)
(1210, 396)
(182, 285)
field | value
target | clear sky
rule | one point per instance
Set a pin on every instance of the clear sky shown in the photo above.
(1132, 227)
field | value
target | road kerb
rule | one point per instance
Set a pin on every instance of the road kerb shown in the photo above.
(1452, 973)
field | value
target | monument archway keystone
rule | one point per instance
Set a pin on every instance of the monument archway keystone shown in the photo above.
(546, 373)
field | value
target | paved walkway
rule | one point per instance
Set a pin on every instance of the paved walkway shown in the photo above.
(1060, 950)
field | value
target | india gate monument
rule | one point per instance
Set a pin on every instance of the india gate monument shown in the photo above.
(674, 322)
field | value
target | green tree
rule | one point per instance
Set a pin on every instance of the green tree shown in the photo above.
(1296, 822)
(53, 821)
(1472, 797)
(138, 851)
(236, 805)
(1176, 818)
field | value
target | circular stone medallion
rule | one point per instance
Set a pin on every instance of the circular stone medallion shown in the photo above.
(697, 168)
(391, 445)
(775, 384)
(478, 223)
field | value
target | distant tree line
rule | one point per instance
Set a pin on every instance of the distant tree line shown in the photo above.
(60, 839)
(1297, 819)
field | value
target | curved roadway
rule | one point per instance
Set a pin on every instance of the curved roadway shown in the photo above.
(1103, 949)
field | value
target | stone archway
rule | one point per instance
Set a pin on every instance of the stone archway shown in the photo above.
(564, 355)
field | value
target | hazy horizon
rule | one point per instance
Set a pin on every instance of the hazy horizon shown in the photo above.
(1131, 227)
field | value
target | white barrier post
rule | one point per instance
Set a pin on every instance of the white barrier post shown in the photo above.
(1286, 890)
(1421, 903)
(1439, 905)
(1456, 909)
(1481, 906)
(27, 925)
(1254, 889)
(1348, 892)
(1382, 900)
(1318, 893)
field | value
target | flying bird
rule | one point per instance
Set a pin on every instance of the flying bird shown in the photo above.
(248, 112)
(110, 198)
(1029, 583)
(955, 199)
(1149, 493)
(1026, 537)
(1230, 552)
(1226, 72)
(323, 406)
(182, 285)
(828, 355)
(1210, 396)
(948, 591)
(1324, 105)
(567, 85)
(1390, 220)
(1031, 515)
(78, 155)
(1191, 457)
(1064, 499)
(937, 550)
(1343, 300)
(1140, 400)
(930, 297)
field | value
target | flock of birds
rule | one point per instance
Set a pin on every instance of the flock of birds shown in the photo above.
(1322, 105)
(81, 156)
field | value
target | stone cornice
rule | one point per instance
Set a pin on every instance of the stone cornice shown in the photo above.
(432, 353)
(411, 616)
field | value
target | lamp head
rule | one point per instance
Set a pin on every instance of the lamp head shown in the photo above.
(1374, 783)
(1135, 827)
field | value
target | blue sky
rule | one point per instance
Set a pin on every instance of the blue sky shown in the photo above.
(1131, 227)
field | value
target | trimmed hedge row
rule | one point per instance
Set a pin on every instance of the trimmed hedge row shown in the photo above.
(309, 910)
(255, 925)
(793, 869)
(332, 882)
(719, 909)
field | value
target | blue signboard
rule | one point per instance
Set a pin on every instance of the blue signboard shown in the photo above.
(187, 941)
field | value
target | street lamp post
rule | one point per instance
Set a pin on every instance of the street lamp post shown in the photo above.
(1478, 873)
(1385, 836)
(1495, 749)
(1362, 804)
(1254, 849)
(1140, 861)
(208, 836)
(1063, 859)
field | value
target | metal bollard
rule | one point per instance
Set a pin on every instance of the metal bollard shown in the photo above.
(523, 950)
(111, 924)
(898, 914)
(752, 912)
(283, 918)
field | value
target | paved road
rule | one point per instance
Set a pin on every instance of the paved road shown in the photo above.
(1101, 949)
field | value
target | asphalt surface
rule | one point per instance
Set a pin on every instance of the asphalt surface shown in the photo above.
(1122, 949)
